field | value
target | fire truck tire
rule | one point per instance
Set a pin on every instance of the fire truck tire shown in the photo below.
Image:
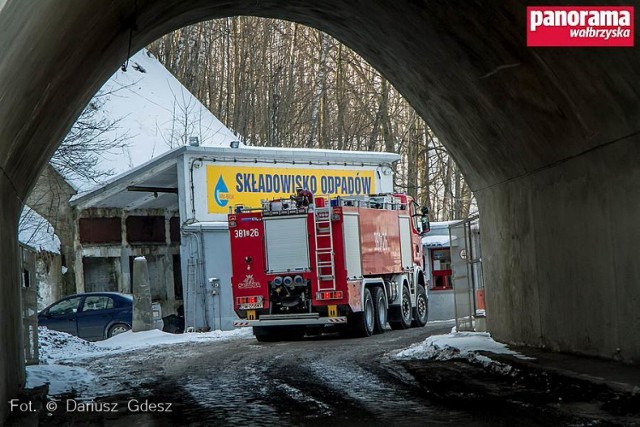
(380, 310)
(406, 311)
(421, 310)
(362, 324)
(278, 333)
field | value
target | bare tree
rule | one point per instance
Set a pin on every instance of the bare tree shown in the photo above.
(89, 137)
(279, 83)
(319, 88)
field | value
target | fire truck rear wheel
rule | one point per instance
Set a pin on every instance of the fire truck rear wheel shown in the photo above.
(380, 309)
(421, 310)
(406, 311)
(362, 324)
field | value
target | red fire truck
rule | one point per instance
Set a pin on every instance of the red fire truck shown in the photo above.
(349, 263)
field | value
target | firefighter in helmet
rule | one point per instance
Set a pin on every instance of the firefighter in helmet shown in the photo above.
(304, 197)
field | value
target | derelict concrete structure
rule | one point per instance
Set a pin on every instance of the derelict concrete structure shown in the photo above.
(547, 138)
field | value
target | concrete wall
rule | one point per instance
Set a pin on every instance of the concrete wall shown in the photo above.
(12, 375)
(107, 266)
(102, 274)
(561, 256)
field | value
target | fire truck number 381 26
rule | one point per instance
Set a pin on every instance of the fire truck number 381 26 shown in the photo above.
(252, 232)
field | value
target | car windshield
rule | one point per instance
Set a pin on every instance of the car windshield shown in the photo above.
(97, 302)
(67, 306)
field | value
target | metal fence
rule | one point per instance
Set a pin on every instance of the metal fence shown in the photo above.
(29, 294)
(30, 325)
(466, 275)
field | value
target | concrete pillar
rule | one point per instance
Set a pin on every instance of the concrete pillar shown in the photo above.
(125, 253)
(169, 304)
(12, 376)
(142, 315)
(78, 267)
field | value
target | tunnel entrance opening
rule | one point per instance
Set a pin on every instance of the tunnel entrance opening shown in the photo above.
(113, 228)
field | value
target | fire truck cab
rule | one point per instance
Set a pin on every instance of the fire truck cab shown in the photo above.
(354, 264)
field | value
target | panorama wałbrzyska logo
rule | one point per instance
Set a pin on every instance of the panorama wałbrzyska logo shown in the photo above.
(580, 26)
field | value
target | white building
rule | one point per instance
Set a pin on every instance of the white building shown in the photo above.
(173, 210)
(437, 264)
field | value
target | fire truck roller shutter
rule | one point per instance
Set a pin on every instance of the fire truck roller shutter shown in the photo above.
(287, 244)
(405, 241)
(352, 256)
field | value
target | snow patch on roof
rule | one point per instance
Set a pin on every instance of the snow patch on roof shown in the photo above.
(444, 224)
(154, 113)
(438, 235)
(329, 152)
(37, 232)
(435, 241)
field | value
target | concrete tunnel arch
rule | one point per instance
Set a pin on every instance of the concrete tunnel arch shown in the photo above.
(548, 139)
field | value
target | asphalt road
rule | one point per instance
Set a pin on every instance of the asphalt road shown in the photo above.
(331, 380)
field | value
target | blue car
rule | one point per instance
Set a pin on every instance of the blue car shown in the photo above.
(91, 316)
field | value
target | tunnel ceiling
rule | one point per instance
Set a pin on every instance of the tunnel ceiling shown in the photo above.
(503, 110)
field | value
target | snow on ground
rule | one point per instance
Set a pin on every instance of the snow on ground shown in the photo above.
(54, 346)
(459, 345)
(135, 340)
(59, 351)
(61, 378)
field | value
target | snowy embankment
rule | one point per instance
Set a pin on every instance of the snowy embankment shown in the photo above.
(471, 346)
(59, 351)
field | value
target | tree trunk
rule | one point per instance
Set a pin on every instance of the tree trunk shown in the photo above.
(318, 91)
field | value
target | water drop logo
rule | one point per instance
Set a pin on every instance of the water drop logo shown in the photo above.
(221, 188)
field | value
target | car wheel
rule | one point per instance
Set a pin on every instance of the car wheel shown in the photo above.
(380, 308)
(421, 310)
(117, 329)
(406, 311)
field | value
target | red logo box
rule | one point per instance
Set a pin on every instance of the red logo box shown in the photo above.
(580, 26)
